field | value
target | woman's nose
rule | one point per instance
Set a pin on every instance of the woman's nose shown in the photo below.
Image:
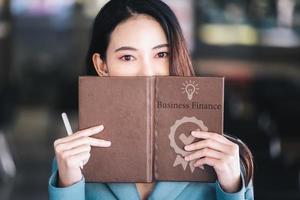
(147, 69)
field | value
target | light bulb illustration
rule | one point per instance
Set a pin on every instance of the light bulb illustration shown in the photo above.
(190, 87)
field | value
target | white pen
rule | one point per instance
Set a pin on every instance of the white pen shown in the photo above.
(67, 123)
(69, 129)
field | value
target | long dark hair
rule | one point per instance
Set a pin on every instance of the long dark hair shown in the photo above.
(117, 11)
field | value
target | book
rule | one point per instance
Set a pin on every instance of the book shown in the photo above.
(149, 121)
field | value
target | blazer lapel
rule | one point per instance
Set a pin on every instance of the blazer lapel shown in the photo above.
(162, 190)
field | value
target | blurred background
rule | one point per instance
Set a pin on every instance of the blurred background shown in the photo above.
(255, 44)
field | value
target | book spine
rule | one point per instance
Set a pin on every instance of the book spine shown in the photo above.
(155, 132)
(223, 89)
(80, 80)
(150, 124)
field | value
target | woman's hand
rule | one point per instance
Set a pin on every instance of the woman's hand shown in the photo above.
(72, 152)
(223, 155)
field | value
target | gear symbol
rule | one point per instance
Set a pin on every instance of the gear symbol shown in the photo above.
(178, 123)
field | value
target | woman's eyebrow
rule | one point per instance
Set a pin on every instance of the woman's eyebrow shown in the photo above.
(134, 49)
(125, 48)
(160, 46)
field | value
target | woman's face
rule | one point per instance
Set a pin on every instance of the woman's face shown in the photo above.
(137, 47)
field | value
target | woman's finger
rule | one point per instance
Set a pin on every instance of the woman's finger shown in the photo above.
(213, 162)
(82, 157)
(206, 152)
(90, 131)
(86, 132)
(209, 143)
(77, 160)
(82, 141)
(210, 135)
(85, 161)
(99, 142)
(80, 149)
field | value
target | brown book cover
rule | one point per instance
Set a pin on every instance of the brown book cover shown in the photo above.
(149, 121)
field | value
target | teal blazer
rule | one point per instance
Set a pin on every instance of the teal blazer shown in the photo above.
(128, 191)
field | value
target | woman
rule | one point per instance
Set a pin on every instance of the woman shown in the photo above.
(143, 38)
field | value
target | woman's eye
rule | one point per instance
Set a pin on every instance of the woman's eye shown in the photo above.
(162, 54)
(127, 58)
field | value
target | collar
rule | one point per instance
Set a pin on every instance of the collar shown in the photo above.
(161, 190)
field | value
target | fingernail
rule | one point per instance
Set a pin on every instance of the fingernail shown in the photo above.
(194, 133)
(100, 128)
(187, 148)
(186, 158)
(107, 143)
